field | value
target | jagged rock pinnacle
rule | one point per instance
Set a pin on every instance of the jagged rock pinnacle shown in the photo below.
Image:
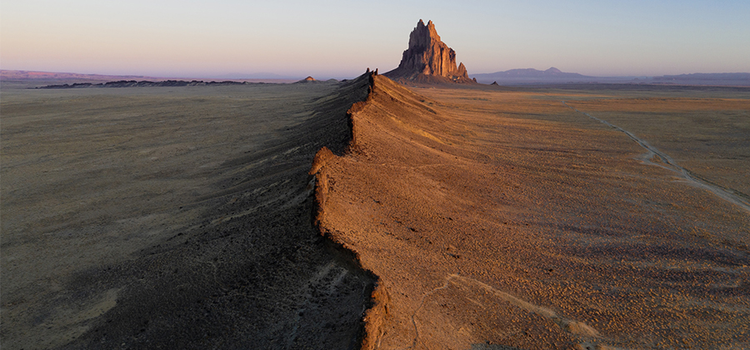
(427, 55)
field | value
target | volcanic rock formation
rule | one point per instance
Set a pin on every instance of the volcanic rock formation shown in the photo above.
(428, 59)
(309, 79)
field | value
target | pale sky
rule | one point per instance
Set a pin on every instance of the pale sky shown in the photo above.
(337, 38)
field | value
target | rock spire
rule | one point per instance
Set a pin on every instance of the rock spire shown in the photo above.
(429, 59)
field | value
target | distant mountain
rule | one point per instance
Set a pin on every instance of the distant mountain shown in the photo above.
(706, 76)
(556, 76)
(553, 73)
(143, 83)
(742, 79)
(6, 74)
(81, 79)
(531, 75)
(243, 76)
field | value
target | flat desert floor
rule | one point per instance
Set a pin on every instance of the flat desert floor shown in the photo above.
(480, 217)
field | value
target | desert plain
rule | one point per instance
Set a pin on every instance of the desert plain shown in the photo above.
(369, 214)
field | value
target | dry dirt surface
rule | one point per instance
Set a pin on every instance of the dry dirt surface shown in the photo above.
(708, 136)
(470, 217)
(172, 218)
(500, 219)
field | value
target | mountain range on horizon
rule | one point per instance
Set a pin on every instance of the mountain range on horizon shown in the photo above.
(31, 75)
(554, 75)
(704, 76)
(552, 72)
(509, 77)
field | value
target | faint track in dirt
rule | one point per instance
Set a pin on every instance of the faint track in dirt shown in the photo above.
(727, 194)
(568, 325)
(421, 303)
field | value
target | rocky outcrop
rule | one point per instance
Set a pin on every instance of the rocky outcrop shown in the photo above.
(428, 59)
(309, 79)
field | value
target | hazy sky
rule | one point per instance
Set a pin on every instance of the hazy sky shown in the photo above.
(191, 38)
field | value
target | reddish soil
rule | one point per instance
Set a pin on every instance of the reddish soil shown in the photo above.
(499, 220)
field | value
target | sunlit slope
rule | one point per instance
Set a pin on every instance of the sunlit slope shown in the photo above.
(502, 218)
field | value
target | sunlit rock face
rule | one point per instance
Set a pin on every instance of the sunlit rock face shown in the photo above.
(428, 57)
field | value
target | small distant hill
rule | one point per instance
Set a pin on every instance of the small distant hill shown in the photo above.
(309, 79)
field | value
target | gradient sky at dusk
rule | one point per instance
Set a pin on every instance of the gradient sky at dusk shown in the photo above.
(338, 38)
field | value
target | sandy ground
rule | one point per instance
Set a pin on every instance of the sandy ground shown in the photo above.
(709, 136)
(491, 218)
(500, 219)
(172, 218)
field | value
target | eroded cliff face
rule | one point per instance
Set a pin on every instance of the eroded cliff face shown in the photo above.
(429, 59)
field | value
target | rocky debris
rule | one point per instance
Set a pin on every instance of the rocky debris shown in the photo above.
(143, 83)
(493, 83)
(429, 59)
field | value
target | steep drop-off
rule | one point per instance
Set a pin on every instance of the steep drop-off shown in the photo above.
(495, 220)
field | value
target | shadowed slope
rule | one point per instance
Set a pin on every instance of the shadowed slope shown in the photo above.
(490, 228)
(173, 218)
